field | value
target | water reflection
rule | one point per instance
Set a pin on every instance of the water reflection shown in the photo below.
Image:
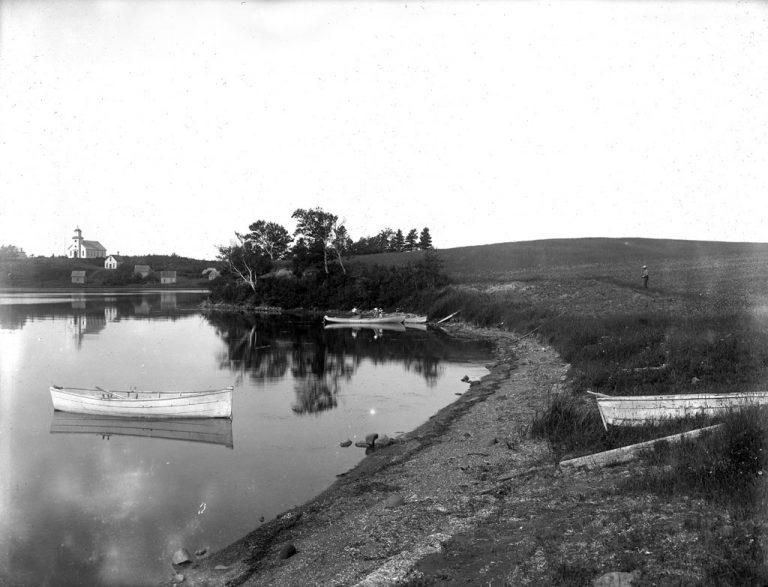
(260, 348)
(89, 310)
(107, 503)
(207, 430)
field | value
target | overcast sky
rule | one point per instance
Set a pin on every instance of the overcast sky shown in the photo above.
(165, 126)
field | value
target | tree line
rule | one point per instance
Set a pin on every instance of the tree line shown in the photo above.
(309, 268)
(319, 240)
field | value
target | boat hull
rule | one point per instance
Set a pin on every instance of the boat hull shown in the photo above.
(650, 409)
(415, 319)
(215, 403)
(387, 319)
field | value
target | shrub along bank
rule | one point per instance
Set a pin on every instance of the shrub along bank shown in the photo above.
(360, 286)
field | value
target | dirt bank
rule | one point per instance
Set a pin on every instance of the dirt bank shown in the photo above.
(470, 498)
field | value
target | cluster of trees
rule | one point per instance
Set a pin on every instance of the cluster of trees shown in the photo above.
(396, 241)
(12, 252)
(319, 240)
(314, 260)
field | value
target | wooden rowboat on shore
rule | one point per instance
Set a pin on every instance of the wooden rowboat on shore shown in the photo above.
(213, 403)
(638, 410)
(203, 430)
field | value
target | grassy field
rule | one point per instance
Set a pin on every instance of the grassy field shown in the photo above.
(702, 325)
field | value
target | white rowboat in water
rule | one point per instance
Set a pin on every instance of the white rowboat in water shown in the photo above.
(213, 403)
(638, 410)
(358, 319)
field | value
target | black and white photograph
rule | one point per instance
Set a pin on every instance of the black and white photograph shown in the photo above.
(383, 293)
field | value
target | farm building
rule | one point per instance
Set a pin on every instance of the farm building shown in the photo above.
(84, 249)
(142, 270)
(113, 262)
(78, 277)
(167, 277)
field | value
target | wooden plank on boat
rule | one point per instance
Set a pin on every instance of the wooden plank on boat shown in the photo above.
(628, 453)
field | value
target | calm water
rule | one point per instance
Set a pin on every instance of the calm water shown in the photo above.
(84, 503)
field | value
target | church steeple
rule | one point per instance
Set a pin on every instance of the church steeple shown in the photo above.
(78, 238)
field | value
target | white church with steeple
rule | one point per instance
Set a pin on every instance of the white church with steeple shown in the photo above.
(84, 249)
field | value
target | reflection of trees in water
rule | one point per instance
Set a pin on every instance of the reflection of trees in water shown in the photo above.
(264, 347)
(315, 395)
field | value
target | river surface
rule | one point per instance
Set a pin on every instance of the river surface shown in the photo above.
(86, 502)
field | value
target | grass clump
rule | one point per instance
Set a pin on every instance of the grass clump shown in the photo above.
(726, 467)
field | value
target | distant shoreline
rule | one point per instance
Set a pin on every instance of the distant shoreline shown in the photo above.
(105, 289)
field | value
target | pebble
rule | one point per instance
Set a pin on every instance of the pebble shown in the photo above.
(361, 444)
(394, 501)
(181, 557)
(220, 568)
(617, 579)
(287, 551)
(346, 443)
(178, 578)
(201, 552)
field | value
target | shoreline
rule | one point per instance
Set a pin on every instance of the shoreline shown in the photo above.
(357, 531)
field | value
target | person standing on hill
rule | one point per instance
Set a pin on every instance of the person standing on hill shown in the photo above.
(645, 276)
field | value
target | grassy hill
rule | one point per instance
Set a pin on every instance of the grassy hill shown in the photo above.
(675, 265)
(56, 271)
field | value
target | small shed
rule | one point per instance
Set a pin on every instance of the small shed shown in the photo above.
(78, 277)
(113, 261)
(167, 277)
(142, 270)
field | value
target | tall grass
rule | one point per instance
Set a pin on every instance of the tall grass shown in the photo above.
(706, 347)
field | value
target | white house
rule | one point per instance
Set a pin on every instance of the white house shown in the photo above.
(78, 277)
(113, 261)
(167, 277)
(83, 249)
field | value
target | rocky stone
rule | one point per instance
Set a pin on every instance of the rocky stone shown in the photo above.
(201, 552)
(371, 438)
(346, 443)
(617, 579)
(361, 444)
(465, 378)
(493, 441)
(383, 441)
(287, 551)
(394, 501)
(181, 557)
(178, 578)
(220, 568)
